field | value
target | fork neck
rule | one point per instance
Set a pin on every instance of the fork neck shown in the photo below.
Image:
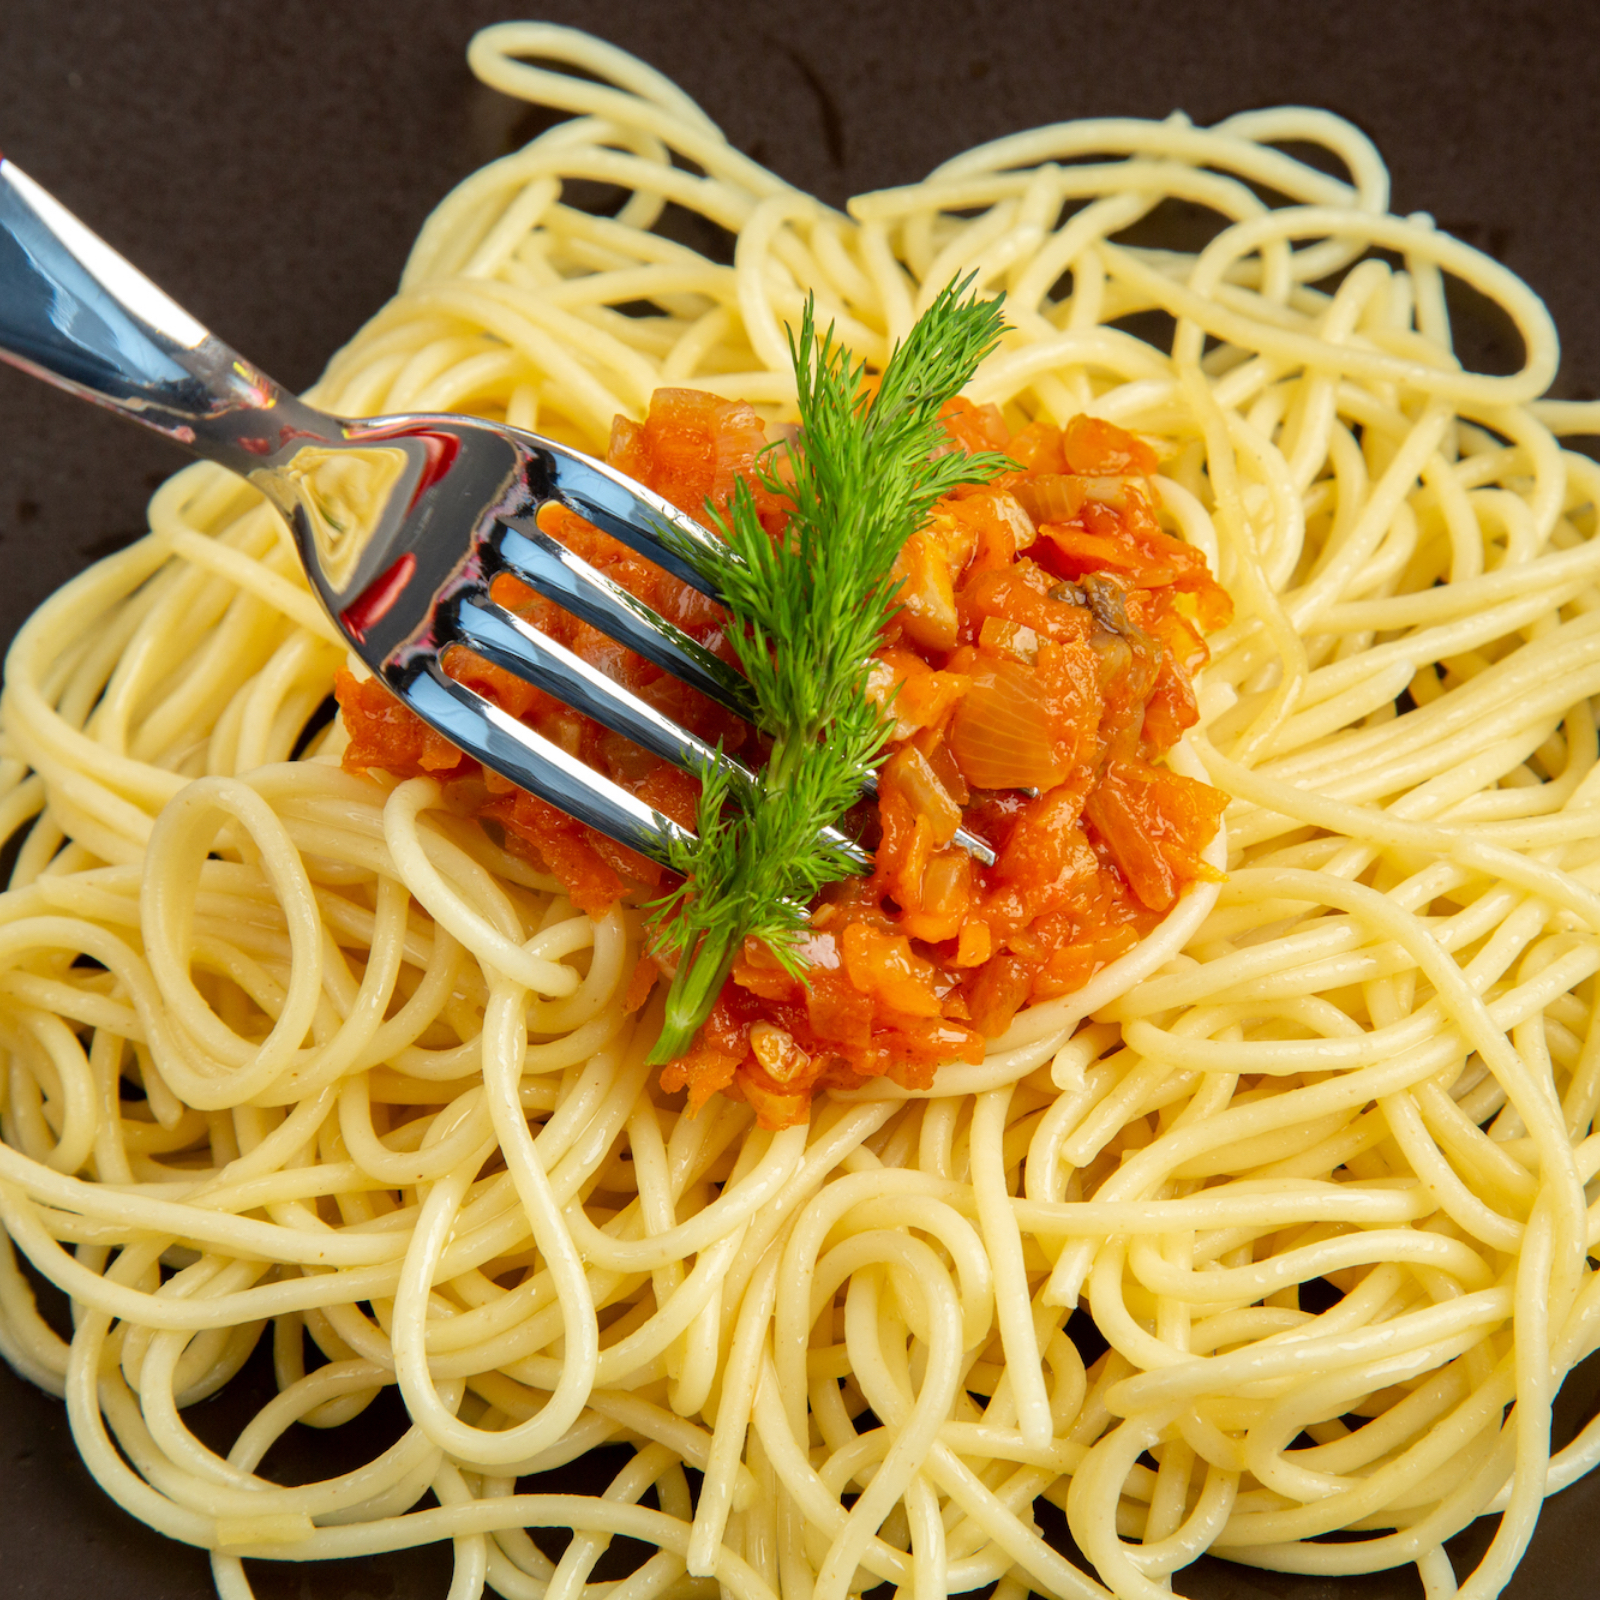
(75, 313)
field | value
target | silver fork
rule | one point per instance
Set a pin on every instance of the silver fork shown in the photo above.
(402, 522)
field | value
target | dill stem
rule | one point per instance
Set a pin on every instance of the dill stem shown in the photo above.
(778, 774)
(701, 973)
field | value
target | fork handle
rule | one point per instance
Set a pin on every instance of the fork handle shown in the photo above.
(75, 313)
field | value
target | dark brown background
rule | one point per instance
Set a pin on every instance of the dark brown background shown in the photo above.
(269, 165)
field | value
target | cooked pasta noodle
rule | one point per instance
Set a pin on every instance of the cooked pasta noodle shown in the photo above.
(301, 1055)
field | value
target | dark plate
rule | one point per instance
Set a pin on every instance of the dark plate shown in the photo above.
(269, 165)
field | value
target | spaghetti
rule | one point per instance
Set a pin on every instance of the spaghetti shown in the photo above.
(297, 1053)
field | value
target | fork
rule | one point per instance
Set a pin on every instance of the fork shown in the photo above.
(402, 522)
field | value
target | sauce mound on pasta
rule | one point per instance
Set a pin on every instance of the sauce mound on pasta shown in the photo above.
(1039, 667)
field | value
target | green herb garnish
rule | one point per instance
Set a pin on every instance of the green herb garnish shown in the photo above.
(809, 609)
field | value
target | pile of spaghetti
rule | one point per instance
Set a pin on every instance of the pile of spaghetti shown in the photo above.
(310, 1056)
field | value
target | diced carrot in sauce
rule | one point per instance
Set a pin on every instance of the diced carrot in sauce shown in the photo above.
(884, 966)
(926, 594)
(913, 693)
(1039, 668)
(1150, 819)
(1002, 987)
(1027, 595)
(975, 943)
(1093, 448)
(974, 427)
(645, 972)
(943, 899)
(910, 771)
(692, 447)
(1037, 450)
(904, 850)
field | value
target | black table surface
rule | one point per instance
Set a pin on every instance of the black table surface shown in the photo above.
(270, 164)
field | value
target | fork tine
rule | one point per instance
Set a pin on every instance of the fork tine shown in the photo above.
(505, 639)
(533, 763)
(612, 502)
(552, 570)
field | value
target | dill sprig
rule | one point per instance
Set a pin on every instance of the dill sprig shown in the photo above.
(809, 609)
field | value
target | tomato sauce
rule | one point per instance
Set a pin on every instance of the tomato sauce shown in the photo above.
(1039, 667)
